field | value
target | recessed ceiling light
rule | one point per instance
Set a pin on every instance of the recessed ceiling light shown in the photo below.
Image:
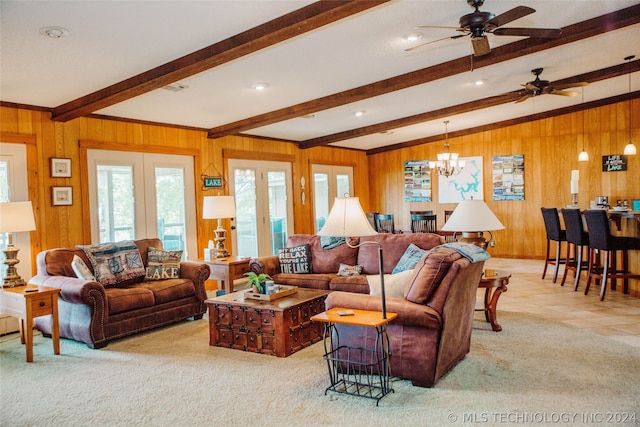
(175, 87)
(478, 82)
(412, 37)
(54, 32)
(359, 113)
(386, 132)
(260, 86)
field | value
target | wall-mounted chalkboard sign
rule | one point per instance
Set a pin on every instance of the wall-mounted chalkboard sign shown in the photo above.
(614, 163)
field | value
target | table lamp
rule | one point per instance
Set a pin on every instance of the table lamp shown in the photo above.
(472, 218)
(15, 217)
(347, 219)
(218, 207)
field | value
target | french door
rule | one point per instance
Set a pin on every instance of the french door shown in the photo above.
(329, 182)
(139, 195)
(264, 207)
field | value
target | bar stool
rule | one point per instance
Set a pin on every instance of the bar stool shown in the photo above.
(579, 240)
(556, 234)
(601, 239)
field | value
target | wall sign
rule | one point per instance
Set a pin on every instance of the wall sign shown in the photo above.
(417, 181)
(212, 181)
(614, 163)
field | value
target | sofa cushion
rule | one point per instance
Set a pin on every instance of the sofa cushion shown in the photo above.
(81, 269)
(349, 270)
(163, 264)
(169, 290)
(326, 261)
(115, 263)
(428, 274)
(393, 247)
(394, 284)
(296, 259)
(409, 259)
(130, 298)
(312, 280)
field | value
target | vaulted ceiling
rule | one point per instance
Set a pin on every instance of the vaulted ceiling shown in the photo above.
(195, 64)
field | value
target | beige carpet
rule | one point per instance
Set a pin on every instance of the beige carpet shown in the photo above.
(535, 372)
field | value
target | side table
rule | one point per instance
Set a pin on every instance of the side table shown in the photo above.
(26, 306)
(357, 371)
(495, 283)
(226, 270)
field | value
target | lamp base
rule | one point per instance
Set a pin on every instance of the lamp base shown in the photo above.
(12, 279)
(219, 250)
(474, 238)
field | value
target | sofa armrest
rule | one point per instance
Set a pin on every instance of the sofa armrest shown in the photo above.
(74, 290)
(267, 264)
(198, 273)
(409, 313)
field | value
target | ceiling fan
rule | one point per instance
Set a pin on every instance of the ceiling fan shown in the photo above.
(478, 24)
(543, 87)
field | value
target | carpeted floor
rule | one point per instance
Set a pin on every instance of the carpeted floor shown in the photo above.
(535, 372)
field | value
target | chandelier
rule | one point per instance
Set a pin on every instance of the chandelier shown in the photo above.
(447, 163)
(630, 149)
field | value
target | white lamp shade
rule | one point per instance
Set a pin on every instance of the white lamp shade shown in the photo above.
(472, 215)
(216, 207)
(347, 219)
(16, 217)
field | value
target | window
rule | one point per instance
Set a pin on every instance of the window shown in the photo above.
(329, 182)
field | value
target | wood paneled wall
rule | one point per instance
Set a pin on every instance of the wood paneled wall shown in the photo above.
(550, 149)
(63, 226)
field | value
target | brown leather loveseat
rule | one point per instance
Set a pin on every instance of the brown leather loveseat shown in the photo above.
(435, 309)
(95, 314)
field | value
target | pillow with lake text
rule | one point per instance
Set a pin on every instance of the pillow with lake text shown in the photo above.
(295, 260)
(162, 264)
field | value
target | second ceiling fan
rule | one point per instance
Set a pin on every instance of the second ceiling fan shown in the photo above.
(478, 24)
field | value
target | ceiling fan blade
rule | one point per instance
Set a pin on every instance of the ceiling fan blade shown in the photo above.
(541, 33)
(508, 16)
(480, 45)
(568, 85)
(439, 27)
(524, 98)
(531, 86)
(563, 92)
(457, 36)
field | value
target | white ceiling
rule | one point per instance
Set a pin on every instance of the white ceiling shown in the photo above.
(110, 41)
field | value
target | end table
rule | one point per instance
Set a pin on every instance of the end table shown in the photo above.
(27, 303)
(226, 270)
(495, 283)
(357, 371)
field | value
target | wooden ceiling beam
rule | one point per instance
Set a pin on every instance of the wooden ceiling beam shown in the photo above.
(591, 77)
(268, 34)
(589, 28)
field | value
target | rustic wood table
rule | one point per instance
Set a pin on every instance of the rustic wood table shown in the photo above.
(226, 270)
(27, 303)
(495, 283)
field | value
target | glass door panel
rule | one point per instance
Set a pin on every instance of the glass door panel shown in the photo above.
(277, 210)
(321, 198)
(116, 210)
(170, 208)
(246, 218)
(329, 182)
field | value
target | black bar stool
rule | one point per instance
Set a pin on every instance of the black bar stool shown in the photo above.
(577, 238)
(554, 233)
(601, 239)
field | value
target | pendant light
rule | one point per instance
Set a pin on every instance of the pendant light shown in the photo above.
(583, 156)
(447, 163)
(630, 149)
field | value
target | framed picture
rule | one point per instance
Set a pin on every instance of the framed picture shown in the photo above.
(60, 168)
(62, 196)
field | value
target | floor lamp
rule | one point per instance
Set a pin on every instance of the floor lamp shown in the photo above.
(218, 207)
(15, 217)
(472, 218)
(347, 219)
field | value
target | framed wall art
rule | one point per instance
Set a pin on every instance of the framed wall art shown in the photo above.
(60, 168)
(62, 196)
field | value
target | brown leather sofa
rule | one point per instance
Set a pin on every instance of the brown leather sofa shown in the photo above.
(433, 330)
(94, 314)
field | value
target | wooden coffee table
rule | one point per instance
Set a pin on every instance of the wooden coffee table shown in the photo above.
(278, 328)
(495, 283)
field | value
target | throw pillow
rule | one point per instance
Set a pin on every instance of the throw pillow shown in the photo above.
(114, 263)
(296, 259)
(163, 264)
(81, 269)
(349, 270)
(409, 259)
(394, 284)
